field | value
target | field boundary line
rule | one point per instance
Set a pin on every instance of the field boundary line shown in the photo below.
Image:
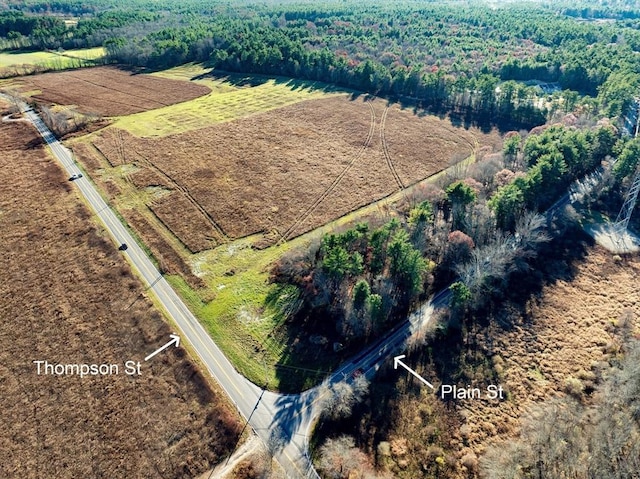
(287, 234)
(139, 97)
(98, 151)
(385, 150)
(185, 192)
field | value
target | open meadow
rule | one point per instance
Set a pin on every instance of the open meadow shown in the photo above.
(284, 172)
(568, 336)
(20, 63)
(264, 162)
(70, 297)
(233, 96)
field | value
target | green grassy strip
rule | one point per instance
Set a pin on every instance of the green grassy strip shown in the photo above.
(226, 102)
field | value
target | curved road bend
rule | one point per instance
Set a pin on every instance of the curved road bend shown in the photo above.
(282, 421)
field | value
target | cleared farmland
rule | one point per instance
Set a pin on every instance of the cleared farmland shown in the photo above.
(108, 91)
(69, 297)
(233, 97)
(13, 63)
(284, 172)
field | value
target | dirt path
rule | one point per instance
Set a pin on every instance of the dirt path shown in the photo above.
(385, 149)
(292, 229)
(252, 451)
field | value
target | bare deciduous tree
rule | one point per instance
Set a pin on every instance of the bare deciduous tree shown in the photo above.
(342, 396)
(341, 459)
(488, 270)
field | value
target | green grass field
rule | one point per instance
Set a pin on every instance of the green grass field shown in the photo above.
(194, 72)
(50, 58)
(233, 96)
(238, 315)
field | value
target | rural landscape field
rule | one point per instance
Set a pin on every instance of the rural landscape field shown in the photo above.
(250, 178)
(283, 172)
(81, 302)
(365, 240)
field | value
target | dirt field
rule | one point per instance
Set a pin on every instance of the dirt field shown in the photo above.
(285, 172)
(69, 297)
(108, 91)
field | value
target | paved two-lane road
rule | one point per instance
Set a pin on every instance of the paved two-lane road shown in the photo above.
(262, 407)
(283, 422)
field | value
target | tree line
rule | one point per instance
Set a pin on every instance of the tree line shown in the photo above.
(445, 57)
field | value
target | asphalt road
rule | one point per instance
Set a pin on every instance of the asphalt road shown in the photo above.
(282, 421)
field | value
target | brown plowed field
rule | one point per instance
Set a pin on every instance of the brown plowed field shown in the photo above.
(68, 296)
(298, 167)
(108, 91)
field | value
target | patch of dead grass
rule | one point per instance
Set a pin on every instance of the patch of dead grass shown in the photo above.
(69, 297)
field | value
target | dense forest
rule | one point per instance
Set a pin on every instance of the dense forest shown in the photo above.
(470, 59)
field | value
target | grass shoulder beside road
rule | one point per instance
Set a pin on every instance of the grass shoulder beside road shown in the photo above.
(243, 313)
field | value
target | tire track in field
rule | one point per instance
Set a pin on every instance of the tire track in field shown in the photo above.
(385, 149)
(222, 237)
(119, 140)
(372, 127)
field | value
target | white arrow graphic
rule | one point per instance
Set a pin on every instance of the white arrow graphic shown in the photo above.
(397, 361)
(175, 339)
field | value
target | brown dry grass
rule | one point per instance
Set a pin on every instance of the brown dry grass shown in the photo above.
(109, 91)
(569, 330)
(69, 297)
(419, 145)
(178, 214)
(290, 170)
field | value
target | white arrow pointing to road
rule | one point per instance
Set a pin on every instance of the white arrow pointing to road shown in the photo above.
(175, 339)
(397, 361)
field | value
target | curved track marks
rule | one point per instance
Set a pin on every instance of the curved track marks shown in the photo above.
(385, 149)
(289, 232)
(222, 237)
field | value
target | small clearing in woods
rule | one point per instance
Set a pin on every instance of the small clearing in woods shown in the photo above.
(70, 297)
